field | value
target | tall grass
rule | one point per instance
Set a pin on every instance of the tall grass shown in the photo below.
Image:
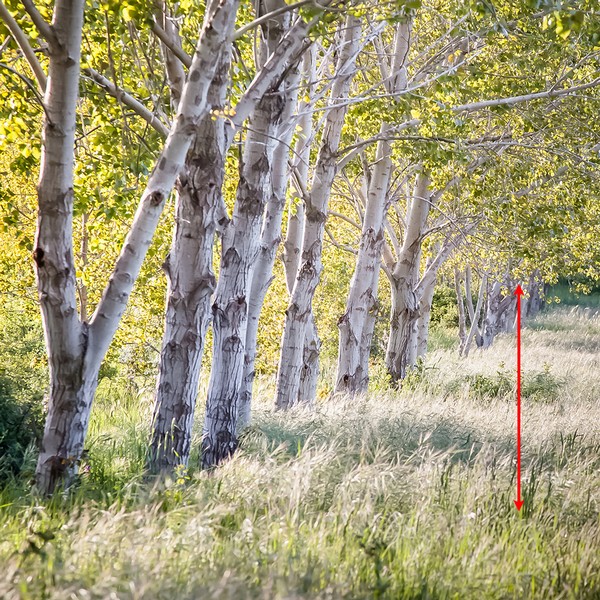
(400, 495)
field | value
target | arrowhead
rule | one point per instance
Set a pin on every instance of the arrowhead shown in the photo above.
(518, 504)
(519, 291)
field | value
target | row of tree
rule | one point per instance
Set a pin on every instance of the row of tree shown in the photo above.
(417, 137)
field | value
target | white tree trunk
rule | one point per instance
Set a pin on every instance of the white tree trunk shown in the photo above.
(474, 330)
(309, 375)
(300, 308)
(76, 349)
(71, 390)
(462, 321)
(535, 294)
(270, 238)
(356, 325)
(424, 317)
(295, 230)
(239, 258)
(498, 314)
(405, 276)
(199, 211)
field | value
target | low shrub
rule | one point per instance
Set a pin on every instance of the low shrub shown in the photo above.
(537, 386)
(21, 426)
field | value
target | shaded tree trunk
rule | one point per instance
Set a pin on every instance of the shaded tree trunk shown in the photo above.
(241, 255)
(475, 329)
(270, 238)
(424, 315)
(199, 211)
(499, 315)
(404, 278)
(295, 232)
(230, 307)
(535, 294)
(462, 322)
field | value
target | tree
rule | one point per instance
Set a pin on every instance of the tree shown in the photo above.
(76, 348)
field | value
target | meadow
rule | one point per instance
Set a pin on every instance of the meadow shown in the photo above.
(402, 494)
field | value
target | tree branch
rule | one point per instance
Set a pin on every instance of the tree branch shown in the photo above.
(24, 45)
(44, 28)
(274, 13)
(163, 36)
(135, 105)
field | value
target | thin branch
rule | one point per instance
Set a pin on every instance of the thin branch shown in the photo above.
(472, 107)
(551, 93)
(24, 45)
(275, 13)
(343, 217)
(163, 36)
(44, 28)
(337, 244)
(30, 84)
(128, 100)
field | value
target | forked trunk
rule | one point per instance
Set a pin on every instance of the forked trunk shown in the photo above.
(76, 349)
(292, 247)
(270, 238)
(299, 311)
(404, 279)
(230, 307)
(499, 315)
(199, 211)
(403, 331)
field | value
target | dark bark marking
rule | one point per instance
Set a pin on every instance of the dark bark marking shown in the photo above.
(38, 257)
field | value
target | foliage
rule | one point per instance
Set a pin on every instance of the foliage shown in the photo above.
(23, 380)
(21, 426)
(444, 310)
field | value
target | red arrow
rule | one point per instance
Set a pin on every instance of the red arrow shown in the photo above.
(518, 293)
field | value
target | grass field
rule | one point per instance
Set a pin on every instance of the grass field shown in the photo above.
(402, 495)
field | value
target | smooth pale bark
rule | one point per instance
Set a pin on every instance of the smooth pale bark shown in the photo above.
(309, 375)
(230, 307)
(76, 348)
(199, 212)
(66, 336)
(474, 313)
(357, 324)
(239, 258)
(285, 53)
(173, 65)
(293, 241)
(410, 298)
(270, 238)
(473, 318)
(354, 325)
(424, 316)
(404, 278)
(499, 315)
(300, 308)
(462, 322)
(295, 232)
(535, 294)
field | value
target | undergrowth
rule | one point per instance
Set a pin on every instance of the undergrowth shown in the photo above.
(405, 495)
